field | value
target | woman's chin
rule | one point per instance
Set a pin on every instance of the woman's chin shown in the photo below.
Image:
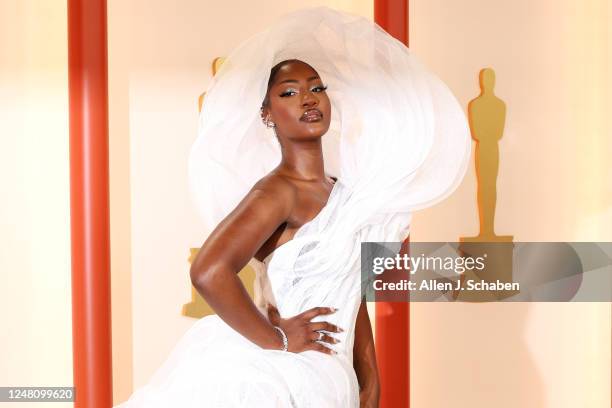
(315, 130)
(309, 133)
(313, 135)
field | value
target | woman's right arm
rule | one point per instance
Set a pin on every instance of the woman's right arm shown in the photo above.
(231, 245)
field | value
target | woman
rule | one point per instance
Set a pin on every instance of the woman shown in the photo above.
(398, 141)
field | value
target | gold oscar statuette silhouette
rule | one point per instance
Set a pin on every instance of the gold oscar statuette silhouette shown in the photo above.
(487, 115)
(216, 64)
(198, 307)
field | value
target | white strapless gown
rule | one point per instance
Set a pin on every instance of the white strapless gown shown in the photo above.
(215, 366)
(399, 142)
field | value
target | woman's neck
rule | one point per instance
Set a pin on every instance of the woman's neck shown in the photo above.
(303, 161)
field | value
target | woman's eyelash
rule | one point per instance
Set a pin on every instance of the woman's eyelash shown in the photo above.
(320, 89)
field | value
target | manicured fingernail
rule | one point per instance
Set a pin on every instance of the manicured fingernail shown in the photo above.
(340, 329)
(336, 340)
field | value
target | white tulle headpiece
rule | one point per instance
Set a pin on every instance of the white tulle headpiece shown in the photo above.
(398, 139)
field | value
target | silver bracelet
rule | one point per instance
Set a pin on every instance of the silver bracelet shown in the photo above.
(285, 343)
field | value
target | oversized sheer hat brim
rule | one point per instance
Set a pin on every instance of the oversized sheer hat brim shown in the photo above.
(398, 138)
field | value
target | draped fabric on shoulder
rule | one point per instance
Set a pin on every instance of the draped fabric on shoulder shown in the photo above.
(398, 139)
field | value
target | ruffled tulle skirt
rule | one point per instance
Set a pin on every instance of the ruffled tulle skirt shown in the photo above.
(215, 366)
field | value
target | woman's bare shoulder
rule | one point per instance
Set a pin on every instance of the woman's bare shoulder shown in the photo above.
(243, 232)
(277, 187)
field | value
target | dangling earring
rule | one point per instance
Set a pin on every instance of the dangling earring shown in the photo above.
(267, 121)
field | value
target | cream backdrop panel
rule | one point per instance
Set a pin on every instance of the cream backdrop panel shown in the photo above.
(159, 62)
(552, 64)
(35, 307)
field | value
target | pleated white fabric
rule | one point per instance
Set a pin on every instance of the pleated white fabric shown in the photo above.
(398, 142)
(215, 366)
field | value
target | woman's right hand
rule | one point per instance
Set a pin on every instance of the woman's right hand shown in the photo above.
(302, 334)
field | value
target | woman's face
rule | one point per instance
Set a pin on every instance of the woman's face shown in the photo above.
(298, 104)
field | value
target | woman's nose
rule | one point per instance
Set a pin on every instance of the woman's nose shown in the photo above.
(309, 99)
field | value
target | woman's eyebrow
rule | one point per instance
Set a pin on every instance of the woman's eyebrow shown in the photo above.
(312, 78)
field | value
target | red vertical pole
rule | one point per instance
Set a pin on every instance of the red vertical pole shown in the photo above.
(393, 350)
(392, 16)
(89, 203)
(393, 318)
